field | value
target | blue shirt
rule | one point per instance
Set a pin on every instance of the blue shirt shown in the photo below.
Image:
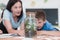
(48, 27)
(8, 16)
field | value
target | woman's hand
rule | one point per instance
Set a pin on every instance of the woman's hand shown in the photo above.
(21, 32)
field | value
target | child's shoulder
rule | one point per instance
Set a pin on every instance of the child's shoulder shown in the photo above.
(48, 24)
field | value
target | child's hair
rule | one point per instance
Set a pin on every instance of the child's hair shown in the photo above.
(40, 15)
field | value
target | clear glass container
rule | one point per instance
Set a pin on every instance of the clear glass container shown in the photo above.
(30, 26)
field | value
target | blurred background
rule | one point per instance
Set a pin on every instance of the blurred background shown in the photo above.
(51, 7)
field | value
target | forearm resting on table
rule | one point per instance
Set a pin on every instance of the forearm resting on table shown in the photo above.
(9, 28)
(12, 31)
(19, 32)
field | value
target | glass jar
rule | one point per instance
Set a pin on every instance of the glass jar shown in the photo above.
(30, 26)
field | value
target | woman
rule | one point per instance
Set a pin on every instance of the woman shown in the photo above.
(13, 17)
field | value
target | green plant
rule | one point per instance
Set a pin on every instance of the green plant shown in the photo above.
(45, 1)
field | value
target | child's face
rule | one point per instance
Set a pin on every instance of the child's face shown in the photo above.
(40, 23)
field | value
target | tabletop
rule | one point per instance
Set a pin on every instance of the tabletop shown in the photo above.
(41, 35)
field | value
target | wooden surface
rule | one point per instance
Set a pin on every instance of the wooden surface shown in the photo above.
(41, 35)
(48, 33)
(11, 38)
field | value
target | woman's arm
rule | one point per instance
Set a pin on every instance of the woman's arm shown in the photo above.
(9, 28)
(22, 29)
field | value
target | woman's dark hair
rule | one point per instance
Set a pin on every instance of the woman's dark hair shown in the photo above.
(2, 13)
(11, 3)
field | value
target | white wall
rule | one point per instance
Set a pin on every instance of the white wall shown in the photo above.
(4, 1)
(41, 3)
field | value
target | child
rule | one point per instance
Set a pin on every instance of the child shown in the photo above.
(42, 23)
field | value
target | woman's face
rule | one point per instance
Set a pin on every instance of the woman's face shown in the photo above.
(16, 9)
